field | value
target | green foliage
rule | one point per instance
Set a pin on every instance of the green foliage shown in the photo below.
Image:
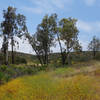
(7, 77)
(13, 24)
(13, 71)
(28, 71)
(64, 71)
(81, 57)
(69, 34)
(4, 77)
(43, 67)
(94, 45)
(20, 60)
(1, 76)
(3, 68)
(43, 39)
(77, 47)
(97, 56)
(1, 59)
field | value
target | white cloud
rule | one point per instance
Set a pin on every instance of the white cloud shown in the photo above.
(61, 3)
(84, 44)
(84, 26)
(47, 6)
(32, 10)
(56, 48)
(89, 27)
(90, 2)
(23, 45)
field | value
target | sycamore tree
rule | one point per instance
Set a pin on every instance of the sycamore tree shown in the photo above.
(13, 25)
(69, 35)
(43, 39)
(94, 45)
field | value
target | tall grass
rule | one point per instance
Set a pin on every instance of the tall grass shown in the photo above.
(49, 86)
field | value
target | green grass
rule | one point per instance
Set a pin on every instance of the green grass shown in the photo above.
(61, 84)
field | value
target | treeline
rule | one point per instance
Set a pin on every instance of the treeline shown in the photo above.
(49, 31)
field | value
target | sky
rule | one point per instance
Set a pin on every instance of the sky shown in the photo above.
(85, 11)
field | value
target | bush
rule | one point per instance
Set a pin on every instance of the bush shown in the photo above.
(1, 59)
(42, 67)
(13, 71)
(28, 71)
(1, 77)
(97, 57)
(7, 77)
(82, 57)
(10, 71)
(3, 68)
(20, 60)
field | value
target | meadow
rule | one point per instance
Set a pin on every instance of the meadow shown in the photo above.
(44, 74)
(76, 82)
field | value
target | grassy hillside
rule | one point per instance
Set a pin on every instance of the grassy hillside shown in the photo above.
(79, 82)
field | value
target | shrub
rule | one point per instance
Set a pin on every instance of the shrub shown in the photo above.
(3, 68)
(83, 57)
(1, 77)
(42, 67)
(7, 77)
(10, 71)
(97, 57)
(28, 71)
(1, 59)
(20, 60)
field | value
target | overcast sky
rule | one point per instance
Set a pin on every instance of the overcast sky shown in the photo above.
(86, 11)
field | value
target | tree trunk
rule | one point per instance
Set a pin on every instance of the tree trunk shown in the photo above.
(6, 56)
(68, 59)
(94, 53)
(39, 58)
(62, 54)
(12, 40)
(46, 57)
(5, 48)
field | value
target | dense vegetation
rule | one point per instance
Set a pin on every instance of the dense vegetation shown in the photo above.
(77, 82)
(67, 75)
